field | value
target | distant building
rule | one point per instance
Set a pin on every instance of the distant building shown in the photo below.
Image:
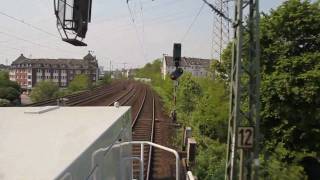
(4, 67)
(196, 66)
(101, 72)
(130, 73)
(27, 72)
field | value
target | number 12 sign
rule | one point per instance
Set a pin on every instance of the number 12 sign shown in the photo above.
(245, 137)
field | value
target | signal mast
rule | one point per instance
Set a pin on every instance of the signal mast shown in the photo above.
(175, 75)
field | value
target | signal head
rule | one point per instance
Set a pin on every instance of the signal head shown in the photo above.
(176, 54)
(176, 74)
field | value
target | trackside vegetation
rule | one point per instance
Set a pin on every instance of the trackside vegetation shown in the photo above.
(9, 91)
(290, 98)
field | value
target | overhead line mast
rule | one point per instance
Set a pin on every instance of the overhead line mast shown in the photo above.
(220, 30)
(242, 160)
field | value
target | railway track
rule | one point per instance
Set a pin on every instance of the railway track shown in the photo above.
(143, 130)
(82, 98)
(143, 124)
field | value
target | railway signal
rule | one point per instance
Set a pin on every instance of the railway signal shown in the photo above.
(177, 54)
(176, 74)
(72, 20)
(176, 60)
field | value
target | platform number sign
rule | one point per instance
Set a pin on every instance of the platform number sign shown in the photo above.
(245, 137)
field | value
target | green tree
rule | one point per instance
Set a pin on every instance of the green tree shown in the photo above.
(9, 91)
(209, 122)
(275, 167)
(44, 90)
(210, 116)
(79, 83)
(290, 43)
(210, 160)
(291, 102)
(290, 30)
(189, 93)
(290, 92)
(152, 71)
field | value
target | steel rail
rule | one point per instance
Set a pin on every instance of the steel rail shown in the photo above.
(122, 96)
(151, 138)
(75, 96)
(140, 108)
(94, 96)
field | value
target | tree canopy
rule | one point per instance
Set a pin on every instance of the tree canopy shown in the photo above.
(290, 84)
(44, 90)
(9, 91)
(79, 83)
(290, 42)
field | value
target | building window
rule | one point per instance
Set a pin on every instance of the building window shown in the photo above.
(29, 77)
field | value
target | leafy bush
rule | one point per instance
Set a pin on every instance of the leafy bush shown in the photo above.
(44, 90)
(9, 90)
(79, 83)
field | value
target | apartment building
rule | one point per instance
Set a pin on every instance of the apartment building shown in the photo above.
(27, 72)
(196, 66)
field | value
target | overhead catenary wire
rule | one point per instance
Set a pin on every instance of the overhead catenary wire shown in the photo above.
(143, 29)
(217, 11)
(172, 17)
(193, 22)
(145, 9)
(28, 24)
(31, 42)
(136, 30)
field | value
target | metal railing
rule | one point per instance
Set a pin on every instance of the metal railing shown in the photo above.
(141, 158)
(142, 143)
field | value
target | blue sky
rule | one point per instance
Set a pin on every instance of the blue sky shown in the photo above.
(112, 35)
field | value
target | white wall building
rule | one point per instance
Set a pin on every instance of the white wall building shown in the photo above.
(196, 66)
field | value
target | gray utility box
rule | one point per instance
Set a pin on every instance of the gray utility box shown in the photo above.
(41, 143)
